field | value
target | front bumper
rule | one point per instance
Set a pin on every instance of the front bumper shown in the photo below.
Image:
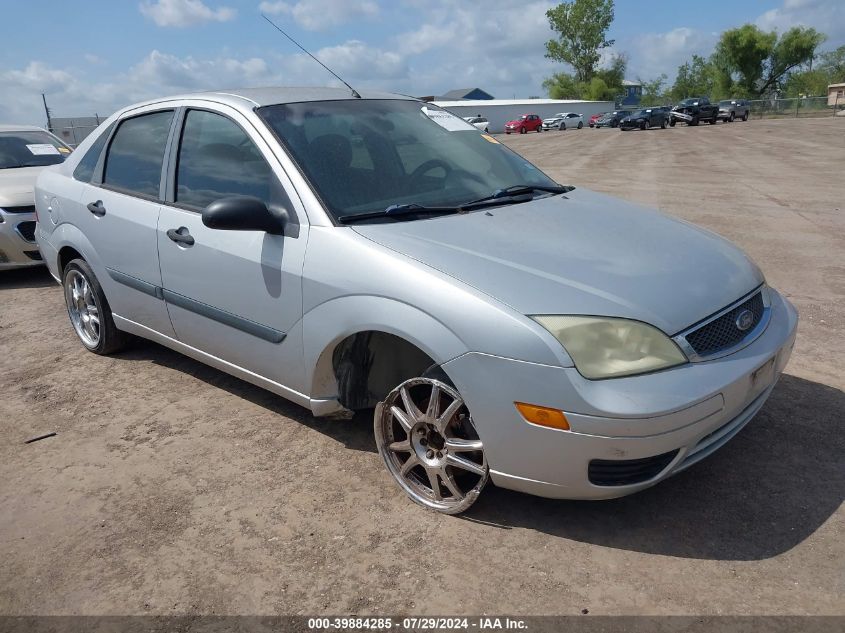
(551, 126)
(17, 242)
(681, 415)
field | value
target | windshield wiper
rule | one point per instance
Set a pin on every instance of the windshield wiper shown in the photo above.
(518, 190)
(509, 195)
(395, 210)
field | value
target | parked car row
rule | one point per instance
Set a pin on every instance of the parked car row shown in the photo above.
(691, 111)
(492, 345)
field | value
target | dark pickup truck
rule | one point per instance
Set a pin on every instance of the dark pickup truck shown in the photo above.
(693, 110)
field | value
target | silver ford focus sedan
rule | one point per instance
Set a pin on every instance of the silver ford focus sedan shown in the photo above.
(378, 252)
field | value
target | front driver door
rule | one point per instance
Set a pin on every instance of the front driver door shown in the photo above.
(233, 294)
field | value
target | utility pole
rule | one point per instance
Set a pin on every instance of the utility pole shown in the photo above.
(47, 112)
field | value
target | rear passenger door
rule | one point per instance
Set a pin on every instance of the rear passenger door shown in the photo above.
(236, 295)
(118, 213)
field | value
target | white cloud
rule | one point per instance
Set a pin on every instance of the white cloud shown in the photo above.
(828, 16)
(316, 15)
(182, 13)
(655, 53)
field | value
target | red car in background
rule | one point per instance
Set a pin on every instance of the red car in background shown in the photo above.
(525, 123)
(595, 118)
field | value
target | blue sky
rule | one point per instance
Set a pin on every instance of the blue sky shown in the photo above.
(98, 55)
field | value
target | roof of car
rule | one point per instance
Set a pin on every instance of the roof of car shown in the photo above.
(21, 128)
(273, 95)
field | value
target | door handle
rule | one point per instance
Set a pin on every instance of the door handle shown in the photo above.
(181, 236)
(97, 208)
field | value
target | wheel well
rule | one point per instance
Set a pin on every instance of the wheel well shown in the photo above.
(368, 365)
(66, 255)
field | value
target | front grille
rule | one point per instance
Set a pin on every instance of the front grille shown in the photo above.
(33, 255)
(723, 332)
(27, 231)
(25, 209)
(624, 472)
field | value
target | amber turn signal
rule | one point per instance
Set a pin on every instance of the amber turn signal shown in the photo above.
(543, 416)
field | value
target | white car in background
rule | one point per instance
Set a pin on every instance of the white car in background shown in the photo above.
(24, 152)
(478, 122)
(564, 120)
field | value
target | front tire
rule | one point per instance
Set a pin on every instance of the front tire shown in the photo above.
(672, 123)
(89, 310)
(522, 130)
(425, 434)
(731, 117)
(745, 116)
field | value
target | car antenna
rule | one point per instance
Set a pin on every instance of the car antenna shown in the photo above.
(279, 29)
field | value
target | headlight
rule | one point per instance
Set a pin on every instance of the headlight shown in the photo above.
(609, 347)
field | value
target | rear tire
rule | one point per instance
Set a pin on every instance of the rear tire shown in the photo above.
(89, 311)
(663, 124)
(714, 120)
(745, 116)
(580, 124)
(694, 121)
(646, 125)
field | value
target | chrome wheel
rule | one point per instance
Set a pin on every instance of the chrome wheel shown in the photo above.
(82, 308)
(425, 434)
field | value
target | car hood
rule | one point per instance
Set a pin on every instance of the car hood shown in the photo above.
(582, 253)
(514, 122)
(17, 186)
(552, 118)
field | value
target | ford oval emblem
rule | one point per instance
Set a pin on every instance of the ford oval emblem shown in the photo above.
(744, 320)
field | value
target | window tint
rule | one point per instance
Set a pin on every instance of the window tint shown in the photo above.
(216, 160)
(136, 153)
(85, 168)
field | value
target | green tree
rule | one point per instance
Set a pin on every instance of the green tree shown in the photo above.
(828, 68)
(605, 85)
(760, 62)
(694, 79)
(581, 27)
(654, 91)
(832, 64)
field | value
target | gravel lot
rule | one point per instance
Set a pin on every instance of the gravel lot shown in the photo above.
(173, 488)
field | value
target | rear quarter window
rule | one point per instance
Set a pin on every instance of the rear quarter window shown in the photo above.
(85, 168)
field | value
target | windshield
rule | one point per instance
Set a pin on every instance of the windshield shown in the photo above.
(725, 102)
(363, 156)
(687, 102)
(30, 149)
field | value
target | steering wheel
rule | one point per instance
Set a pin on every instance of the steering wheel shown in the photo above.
(427, 166)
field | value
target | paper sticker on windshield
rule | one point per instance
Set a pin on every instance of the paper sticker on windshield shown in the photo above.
(42, 149)
(447, 120)
(487, 137)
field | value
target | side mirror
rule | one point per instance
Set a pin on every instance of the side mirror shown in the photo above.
(243, 213)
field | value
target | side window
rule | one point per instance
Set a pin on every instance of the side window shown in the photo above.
(136, 153)
(217, 159)
(85, 168)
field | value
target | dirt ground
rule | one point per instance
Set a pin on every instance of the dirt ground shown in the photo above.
(174, 488)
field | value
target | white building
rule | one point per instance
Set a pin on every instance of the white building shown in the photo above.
(500, 111)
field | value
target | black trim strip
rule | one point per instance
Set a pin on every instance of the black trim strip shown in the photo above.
(227, 318)
(136, 284)
(203, 309)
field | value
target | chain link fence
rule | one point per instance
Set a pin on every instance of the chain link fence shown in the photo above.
(803, 107)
